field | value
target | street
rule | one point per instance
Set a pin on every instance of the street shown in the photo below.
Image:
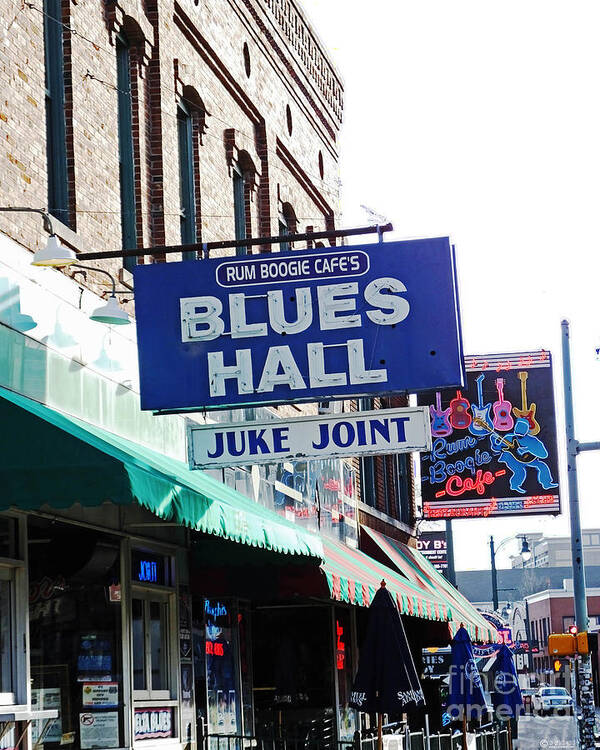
(543, 732)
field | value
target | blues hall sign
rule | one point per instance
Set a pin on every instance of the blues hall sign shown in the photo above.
(494, 441)
(298, 326)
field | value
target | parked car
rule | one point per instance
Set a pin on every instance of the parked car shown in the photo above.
(551, 699)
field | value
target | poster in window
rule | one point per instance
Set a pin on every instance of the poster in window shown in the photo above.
(46, 698)
(98, 730)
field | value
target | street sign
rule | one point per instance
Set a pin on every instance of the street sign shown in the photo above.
(299, 326)
(494, 441)
(352, 434)
(436, 661)
(433, 545)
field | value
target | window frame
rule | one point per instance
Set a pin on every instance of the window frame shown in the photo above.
(187, 188)
(239, 208)
(56, 125)
(163, 596)
(125, 148)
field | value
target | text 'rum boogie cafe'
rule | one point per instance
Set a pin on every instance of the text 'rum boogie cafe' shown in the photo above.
(138, 595)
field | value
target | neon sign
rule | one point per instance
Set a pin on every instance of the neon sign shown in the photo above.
(494, 441)
(214, 649)
(216, 610)
(148, 571)
(340, 646)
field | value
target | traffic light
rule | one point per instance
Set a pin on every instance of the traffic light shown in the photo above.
(573, 629)
(557, 665)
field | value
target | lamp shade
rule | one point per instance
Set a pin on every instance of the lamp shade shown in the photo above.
(110, 313)
(525, 551)
(54, 254)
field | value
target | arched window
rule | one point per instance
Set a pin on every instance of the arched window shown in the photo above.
(187, 193)
(287, 224)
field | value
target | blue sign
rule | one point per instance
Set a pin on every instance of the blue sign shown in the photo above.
(148, 571)
(298, 326)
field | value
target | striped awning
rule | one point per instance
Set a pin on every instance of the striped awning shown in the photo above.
(354, 577)
(413, 566)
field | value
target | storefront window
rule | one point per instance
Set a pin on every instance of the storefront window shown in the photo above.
(75, 635)
(223, 666)
(139, 645)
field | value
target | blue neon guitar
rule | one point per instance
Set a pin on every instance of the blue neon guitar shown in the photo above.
(483, 413)
(440, 426)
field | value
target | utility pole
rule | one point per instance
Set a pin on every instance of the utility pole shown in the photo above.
(586, 691)
(450, 570)
(494, 576)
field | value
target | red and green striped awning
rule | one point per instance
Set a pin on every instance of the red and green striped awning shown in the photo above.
(420, 572)
(354, 577)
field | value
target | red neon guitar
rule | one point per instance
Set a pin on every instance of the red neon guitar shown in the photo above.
(440, 427)
(503, 420)
(526, 412)
(460, 418)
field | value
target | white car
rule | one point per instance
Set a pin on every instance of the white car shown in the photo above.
(549, 699)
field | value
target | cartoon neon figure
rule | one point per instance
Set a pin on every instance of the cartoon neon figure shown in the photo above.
(520, 450)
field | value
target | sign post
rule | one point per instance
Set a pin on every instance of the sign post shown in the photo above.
(574, 447)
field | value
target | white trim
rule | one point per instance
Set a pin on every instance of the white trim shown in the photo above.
(559, 594)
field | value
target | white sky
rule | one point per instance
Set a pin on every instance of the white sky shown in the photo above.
(481, 120)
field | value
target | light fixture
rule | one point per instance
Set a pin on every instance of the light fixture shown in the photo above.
(109, 312)
(525, 551)
(54, 254)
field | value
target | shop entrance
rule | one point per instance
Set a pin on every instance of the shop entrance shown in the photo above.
(293, 681)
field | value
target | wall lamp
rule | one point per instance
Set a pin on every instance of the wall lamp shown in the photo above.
(54, 254)
(109, 312)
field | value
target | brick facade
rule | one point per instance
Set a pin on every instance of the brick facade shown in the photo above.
(247, 69)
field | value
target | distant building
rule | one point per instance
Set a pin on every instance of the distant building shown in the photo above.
(552, 611)
(514, 584)
(555, 551)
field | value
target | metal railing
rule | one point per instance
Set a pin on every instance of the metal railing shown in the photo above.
(488, 737)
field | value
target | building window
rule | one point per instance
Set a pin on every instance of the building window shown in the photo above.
(126, 160)
(150, 642)
(56, 130)
(402, 467)
(239, 208)
(367, 467)
(187, 197)
(287, 225)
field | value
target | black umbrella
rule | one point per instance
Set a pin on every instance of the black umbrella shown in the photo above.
(386, 681)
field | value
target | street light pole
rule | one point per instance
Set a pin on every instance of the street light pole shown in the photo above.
(494, 576)
(586, 697)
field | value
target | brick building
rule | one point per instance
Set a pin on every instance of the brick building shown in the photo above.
(157, 604)
(553, 611)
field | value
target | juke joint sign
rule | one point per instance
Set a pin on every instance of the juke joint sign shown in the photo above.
(298, 326)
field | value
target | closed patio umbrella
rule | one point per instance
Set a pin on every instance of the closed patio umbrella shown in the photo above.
(466, 699)
(508, 701)
(386, 680)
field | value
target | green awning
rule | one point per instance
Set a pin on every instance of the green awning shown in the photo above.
(51, 458)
